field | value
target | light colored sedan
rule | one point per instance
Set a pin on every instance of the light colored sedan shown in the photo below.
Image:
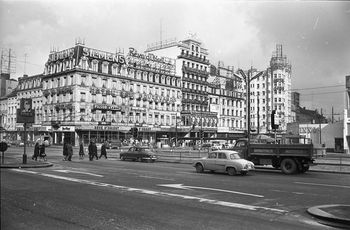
(224, 161)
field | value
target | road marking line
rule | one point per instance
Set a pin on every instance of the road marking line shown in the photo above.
(71, 171)
(327, 185)
(157, 193)
(181, 186)
(160, 178)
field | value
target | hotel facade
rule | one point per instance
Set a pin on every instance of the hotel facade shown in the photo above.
(92, 94)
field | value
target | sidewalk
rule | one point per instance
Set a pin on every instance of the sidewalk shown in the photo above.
(336, 215)
(11, 162)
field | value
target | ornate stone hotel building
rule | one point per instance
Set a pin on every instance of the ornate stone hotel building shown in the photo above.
(93, 94)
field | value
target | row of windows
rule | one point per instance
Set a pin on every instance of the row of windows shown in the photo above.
(194, 53)
(194, 65)
(194, 76)
(233, 112)
(231, 123)
(107, 83)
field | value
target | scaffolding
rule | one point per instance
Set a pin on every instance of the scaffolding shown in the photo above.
(8, 61)
(278, 60)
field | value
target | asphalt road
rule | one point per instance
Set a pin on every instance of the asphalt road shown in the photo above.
(112, 194)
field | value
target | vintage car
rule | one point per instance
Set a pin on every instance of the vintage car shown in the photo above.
(224, 161)
(136, 153)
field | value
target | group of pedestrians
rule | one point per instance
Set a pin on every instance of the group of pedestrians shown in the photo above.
(92, 149)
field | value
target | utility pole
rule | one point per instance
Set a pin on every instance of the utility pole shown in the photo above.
(258, 111)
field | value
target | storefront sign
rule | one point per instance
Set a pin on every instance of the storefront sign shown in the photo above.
(106, 107)
(66, 128)
(103, 127)
(102, 55)
(60, 55)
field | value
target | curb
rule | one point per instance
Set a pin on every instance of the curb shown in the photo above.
(43, 165)
(317, 211)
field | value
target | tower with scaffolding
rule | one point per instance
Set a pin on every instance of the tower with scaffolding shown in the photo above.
(281, 100)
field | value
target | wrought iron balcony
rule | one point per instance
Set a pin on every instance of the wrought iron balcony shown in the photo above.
(193, 58)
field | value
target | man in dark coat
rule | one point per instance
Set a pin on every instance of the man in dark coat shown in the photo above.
(69, 151)
(103, 150)
(92, 150)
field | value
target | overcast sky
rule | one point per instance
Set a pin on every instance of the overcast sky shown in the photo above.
(315, 35)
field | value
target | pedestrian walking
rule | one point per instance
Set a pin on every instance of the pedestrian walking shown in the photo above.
(92, 150)
(65, 150)
(95, 151)
(81, 151)
(36, 151)
(103, 150)
(69, 151)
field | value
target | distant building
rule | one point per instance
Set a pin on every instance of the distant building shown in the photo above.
(7, 85)
(306, 116)
(228, 101)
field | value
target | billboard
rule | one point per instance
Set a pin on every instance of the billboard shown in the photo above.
(25, 113)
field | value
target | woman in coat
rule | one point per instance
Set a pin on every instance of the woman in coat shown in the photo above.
(36, 151)
(81, 151)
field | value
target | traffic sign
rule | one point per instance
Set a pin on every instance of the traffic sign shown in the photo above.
(3, 146)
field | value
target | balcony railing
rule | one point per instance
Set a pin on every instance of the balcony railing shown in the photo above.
(194, 58)
(198, 71)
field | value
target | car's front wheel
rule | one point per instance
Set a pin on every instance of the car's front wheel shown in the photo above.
(122, 158)
(199, 168)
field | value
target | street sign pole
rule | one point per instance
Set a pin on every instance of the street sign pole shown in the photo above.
(25, 144)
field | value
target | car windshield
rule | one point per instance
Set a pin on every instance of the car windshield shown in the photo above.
(234, 156)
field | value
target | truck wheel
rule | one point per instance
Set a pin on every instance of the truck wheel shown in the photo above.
(231, 171)
(199, 168)
(289, 166)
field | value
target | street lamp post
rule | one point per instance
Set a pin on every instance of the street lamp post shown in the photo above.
(248, 79)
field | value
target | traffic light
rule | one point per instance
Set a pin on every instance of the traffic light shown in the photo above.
(273, 125)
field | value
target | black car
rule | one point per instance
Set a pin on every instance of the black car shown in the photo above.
(138, 154)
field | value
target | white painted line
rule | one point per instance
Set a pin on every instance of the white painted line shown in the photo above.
(326, 185)
(160, 178)
(79, 172)
(158, 193)
(181, 186)
(297, 193)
